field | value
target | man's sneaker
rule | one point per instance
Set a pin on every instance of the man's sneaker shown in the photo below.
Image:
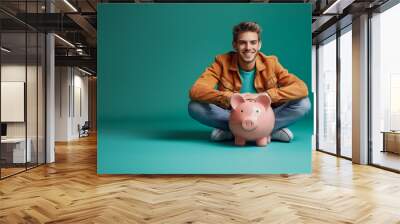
(282, 135)
(218, 135)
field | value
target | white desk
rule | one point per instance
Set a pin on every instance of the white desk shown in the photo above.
(18, 150)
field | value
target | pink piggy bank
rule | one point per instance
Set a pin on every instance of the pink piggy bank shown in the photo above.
(252, 118)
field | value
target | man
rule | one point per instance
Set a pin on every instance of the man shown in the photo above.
(247, 70)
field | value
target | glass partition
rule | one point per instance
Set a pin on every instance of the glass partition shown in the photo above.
(41, 87)
(327, 95)
(346, 93)
(32, 95)
(385, 89)
(22, 77)
(14, 153)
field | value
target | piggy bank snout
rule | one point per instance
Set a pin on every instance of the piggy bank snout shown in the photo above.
(249, 124)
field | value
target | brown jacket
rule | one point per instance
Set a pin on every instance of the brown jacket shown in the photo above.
(270, 77)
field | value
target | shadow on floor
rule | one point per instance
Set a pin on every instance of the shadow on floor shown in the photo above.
(166, 134)
(182, 135)
(193, 136)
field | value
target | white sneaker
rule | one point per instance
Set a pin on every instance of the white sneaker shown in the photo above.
(218, 135)
(282, 135)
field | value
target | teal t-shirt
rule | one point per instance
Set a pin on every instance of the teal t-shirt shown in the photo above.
(247, 81)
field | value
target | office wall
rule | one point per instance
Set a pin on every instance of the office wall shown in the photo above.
(92, 87)
(15, 72)
(33, 126)
(62, 80)
(80, 112)
(71, 102)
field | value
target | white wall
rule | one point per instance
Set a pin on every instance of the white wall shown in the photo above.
(15, 72)
(71, 102)
(33, 127)
(62, 81)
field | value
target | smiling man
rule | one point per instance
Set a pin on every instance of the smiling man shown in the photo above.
(247, 70)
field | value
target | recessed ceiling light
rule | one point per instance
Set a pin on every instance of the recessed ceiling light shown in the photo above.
(5, 50)
(71, 6)
(337, 7)
(64, 40)
(84, 71)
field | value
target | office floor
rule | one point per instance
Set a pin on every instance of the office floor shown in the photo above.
(387, 159)
(70, 191)
(11, 169)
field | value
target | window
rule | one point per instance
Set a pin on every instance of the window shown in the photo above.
(346, 75)
(327, 95)
(385, 88)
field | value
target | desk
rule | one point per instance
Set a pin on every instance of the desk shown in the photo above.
(391, 141)
(13, 150)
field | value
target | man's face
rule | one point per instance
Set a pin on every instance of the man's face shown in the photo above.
(247, 46)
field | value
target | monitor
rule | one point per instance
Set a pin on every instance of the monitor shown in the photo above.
(3, 129)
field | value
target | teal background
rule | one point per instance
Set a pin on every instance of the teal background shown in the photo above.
(149, 55)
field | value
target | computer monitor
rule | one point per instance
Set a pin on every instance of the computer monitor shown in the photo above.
(3, 129)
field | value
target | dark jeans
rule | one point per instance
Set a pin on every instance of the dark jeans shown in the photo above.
(217, 117)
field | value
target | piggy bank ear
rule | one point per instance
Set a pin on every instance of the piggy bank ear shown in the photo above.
(264, 99)
(236, 100)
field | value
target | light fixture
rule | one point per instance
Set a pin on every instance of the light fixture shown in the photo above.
(329, 9)
(5, 50)
(64, 40)
(337, 7)
(84, 71)
(70, 5)
(79, 51)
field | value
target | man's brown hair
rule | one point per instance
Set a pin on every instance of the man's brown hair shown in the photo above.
(245, 27)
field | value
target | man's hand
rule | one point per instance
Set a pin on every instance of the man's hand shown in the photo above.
(249, 96)
(253, 96)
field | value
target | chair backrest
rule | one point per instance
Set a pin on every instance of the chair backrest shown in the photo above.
(86, 125)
